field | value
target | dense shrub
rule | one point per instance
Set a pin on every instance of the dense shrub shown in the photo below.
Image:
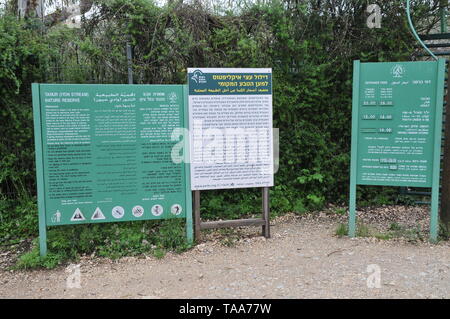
(309, 44)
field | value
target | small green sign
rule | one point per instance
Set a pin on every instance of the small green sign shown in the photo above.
(103, 154)
(396, 127)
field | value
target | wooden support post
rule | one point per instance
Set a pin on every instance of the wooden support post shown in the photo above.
(264, 221)
(266, 212)
(233, 223)
(445, 196)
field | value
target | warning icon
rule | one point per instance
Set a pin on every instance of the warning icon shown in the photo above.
(77, 216)
(176, 209)
(138, 211)
(98, 214)
(118, 212)
(157, 210)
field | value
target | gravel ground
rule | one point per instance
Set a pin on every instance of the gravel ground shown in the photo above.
(303, 259)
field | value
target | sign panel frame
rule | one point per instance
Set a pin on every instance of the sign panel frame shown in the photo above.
(209, 90)
(231, 85)
(185, 192)
(434, 173)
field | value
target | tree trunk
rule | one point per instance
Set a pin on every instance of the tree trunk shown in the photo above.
(30, 8)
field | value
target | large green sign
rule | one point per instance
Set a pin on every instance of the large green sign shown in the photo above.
(396, 127)
(103, 154)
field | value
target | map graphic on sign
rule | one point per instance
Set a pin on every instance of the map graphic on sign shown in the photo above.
(77, 216)
(98, 215)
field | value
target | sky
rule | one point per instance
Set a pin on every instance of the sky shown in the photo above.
(218, 6)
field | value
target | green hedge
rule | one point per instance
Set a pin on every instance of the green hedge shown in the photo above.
(311, 50)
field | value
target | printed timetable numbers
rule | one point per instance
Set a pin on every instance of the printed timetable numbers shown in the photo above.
(391, 162)
(382, 130)
(380, 103)
(386, 103)
(369, 117)
(385, 130)
(388, 161)
(385, 117)
(370, 103)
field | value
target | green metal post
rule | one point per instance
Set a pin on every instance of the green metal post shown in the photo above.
(354, 152)
(39, 169)
(187, 170)
(434, 216)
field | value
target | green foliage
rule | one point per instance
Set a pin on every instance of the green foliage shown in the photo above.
(444, 231)
(32, 260)
(395, 227)
(362, 230)
(379, 195)
(109, 240)
(341, 230)
(395, 230)
(399, 231)
(340, 211)
(310, 45)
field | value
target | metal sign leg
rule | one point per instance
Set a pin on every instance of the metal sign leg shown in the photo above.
(42, 237)
(352, 212)
(197, 219)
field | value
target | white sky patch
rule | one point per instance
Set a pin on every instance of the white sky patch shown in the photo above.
(217, 6)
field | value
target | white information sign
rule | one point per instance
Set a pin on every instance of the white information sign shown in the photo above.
(230, 125)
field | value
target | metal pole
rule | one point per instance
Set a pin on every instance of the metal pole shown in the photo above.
(354, 151)
(187, 169)
(42, 235)
(197, 220)
(445, 196)
(411, 25)
(39, 169)
(434, 216)
(130, 63)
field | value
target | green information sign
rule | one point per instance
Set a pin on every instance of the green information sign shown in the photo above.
(103, 154)
(396, 128)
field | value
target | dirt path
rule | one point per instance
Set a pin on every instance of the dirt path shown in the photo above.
(303, 260)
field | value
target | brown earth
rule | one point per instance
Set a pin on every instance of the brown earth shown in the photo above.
(303, 259)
